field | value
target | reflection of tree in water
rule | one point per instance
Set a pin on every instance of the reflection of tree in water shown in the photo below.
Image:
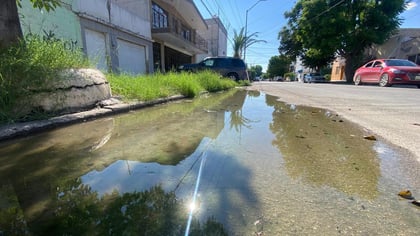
(237, 119)
(323, 149)
(254, 93)
(79, 211)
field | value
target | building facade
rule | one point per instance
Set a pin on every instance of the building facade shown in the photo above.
(217, 37)
(405, 45)
(136, 37)
(175, 27)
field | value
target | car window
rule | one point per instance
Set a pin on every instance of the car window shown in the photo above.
(209, 63)
(399, 63)
(238, 63)
(222, 62)
(377, 64)
(369, 64)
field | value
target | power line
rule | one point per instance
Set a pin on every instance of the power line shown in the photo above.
(235, 11)
(328, 9)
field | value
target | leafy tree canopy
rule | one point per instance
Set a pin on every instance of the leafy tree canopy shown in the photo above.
(10, 30)
(42, 4)
(278, 65)
(319, 30)
(255, 71)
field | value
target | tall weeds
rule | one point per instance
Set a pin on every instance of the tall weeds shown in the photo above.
(149, 87)
(29, 64)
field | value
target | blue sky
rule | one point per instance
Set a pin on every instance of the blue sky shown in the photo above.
(266, 18)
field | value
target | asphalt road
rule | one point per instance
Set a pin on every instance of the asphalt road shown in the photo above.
(391, 113)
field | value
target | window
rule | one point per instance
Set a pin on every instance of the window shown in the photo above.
(377, 64)
(209, 62)
(222, 63)
(238, 63)
(186, 33)
(369, 64)
(160, 17)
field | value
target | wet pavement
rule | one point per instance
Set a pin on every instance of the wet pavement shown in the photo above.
(251, 163)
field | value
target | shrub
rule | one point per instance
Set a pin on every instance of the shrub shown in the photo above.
(290, 75)
(327, 77)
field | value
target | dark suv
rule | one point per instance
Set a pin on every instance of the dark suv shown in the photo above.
(234, 68)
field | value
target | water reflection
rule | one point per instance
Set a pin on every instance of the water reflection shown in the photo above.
(269, 167)
(322, 149)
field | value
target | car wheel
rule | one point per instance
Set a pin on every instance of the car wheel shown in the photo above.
(233, 76)
(357, 80)
(384, 80)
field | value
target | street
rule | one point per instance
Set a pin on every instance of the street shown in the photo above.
(392, 113)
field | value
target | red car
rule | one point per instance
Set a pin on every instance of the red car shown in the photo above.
(387, 72)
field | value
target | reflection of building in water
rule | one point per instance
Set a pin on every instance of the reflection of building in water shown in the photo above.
(36, 169)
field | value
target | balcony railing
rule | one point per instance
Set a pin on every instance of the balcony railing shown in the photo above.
(163, 22)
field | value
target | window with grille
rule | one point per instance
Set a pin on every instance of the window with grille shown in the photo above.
(160, 17)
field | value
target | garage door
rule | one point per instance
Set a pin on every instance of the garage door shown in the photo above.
(96, 48)
(132, 57)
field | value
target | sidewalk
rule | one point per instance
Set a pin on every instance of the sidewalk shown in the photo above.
(106, 109)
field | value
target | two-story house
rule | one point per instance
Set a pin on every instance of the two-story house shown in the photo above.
(175, 26)
(124, 35)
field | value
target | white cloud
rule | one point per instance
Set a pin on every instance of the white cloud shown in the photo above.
(411, 5)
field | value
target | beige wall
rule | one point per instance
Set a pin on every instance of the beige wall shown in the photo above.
(402, 45)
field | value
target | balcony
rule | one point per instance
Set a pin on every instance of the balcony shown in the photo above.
(169, 29)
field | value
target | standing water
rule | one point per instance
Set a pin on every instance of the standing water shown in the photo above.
(234, 163)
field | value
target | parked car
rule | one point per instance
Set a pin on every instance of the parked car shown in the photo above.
(234, 68)
(387, 72)
(313, 78)
(278, 78)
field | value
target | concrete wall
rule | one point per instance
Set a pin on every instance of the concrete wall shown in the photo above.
(98, 26)
(115, 13)
(62, 23)
(402, 45)
(216, 35)
(124, 25)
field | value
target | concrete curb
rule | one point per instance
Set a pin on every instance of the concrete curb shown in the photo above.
(17, 130)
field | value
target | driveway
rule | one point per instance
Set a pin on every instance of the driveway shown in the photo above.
(392, 113)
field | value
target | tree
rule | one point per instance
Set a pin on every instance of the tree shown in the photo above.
(10, 30)
(319, 30)
(278, 65)
(255, 71)
(240, 41)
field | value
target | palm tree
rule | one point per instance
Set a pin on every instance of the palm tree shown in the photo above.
(240, 41)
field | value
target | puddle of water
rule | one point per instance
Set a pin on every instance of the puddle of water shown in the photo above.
(256, 165)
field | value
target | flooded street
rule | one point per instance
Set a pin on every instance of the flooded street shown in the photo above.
(251, 164)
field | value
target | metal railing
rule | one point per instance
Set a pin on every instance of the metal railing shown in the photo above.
(168, 23)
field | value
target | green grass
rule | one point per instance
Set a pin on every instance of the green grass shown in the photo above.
(149, 87)
(28, 65)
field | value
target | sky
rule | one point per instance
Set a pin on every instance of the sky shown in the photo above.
(267, 18)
